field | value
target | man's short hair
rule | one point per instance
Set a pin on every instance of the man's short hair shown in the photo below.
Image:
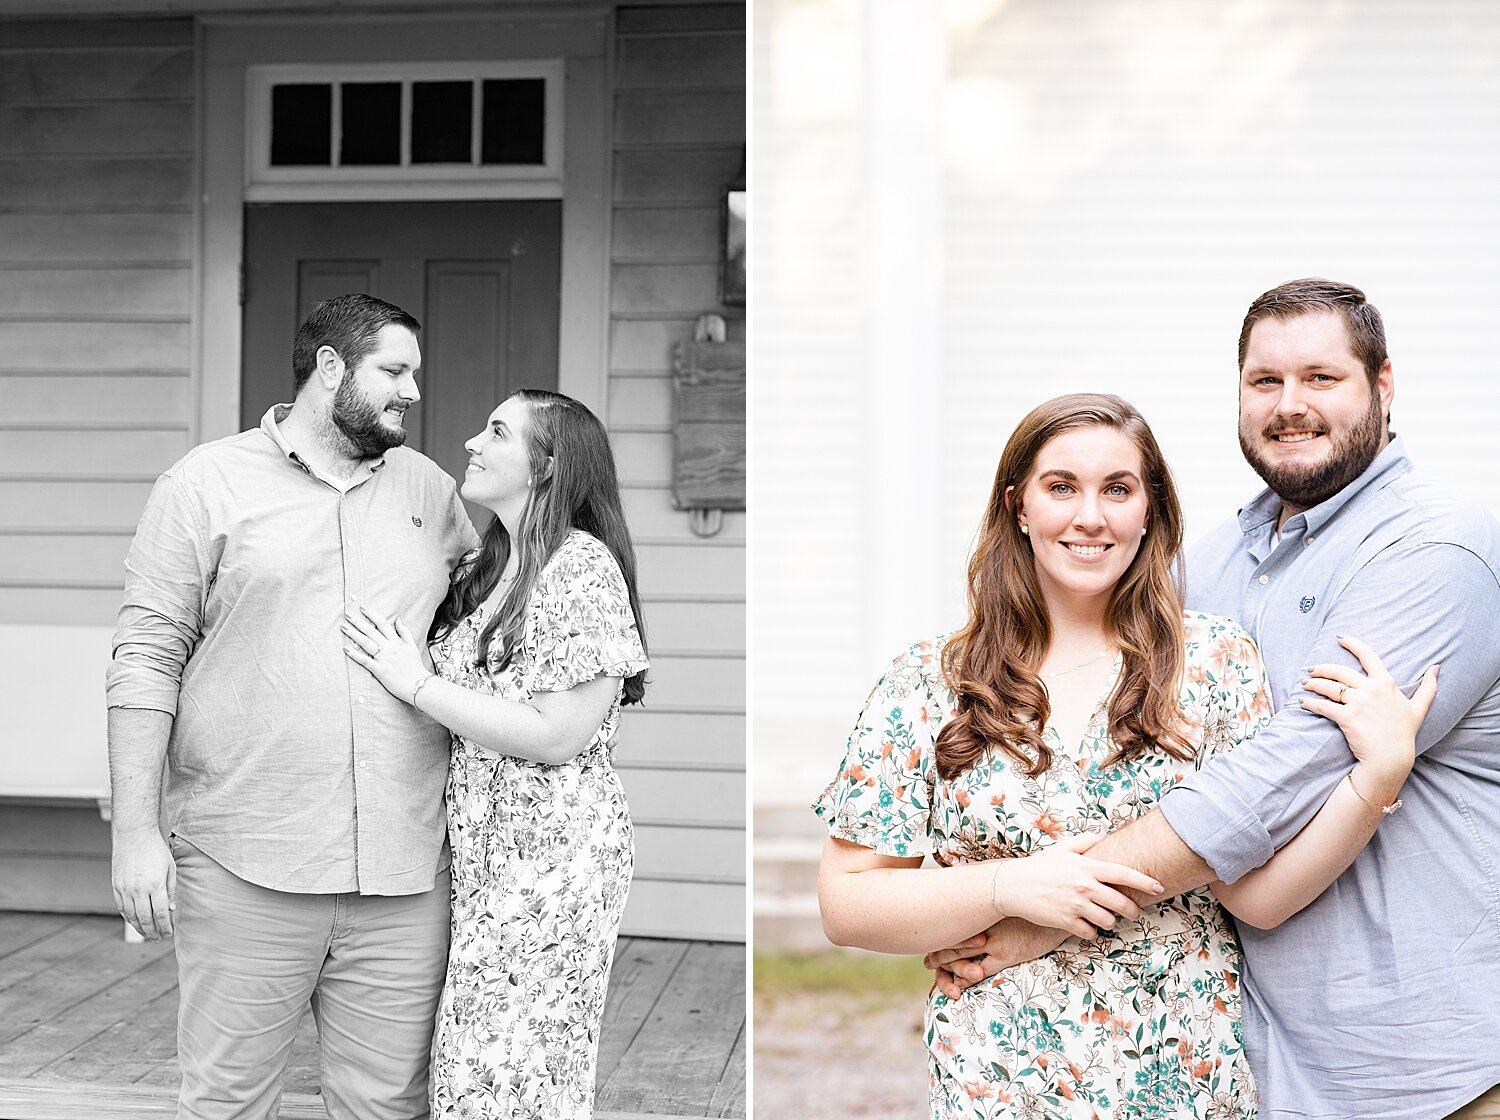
(350, 324)
(1301, 297)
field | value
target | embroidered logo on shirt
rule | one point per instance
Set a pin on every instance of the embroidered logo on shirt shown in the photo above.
(1304, 605)
(417, 521)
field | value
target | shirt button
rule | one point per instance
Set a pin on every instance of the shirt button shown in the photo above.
(1263, 579)
(363, 764)
(1311, 539)
(362, 699)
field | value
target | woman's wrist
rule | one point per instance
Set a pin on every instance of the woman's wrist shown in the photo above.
(996, 892)
(1378, 786)
(417, 686)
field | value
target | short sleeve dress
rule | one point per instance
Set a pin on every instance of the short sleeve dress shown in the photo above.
(1140, 1022)
(542, 857)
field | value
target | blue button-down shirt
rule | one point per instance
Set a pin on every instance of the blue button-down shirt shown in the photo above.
(1382, 998)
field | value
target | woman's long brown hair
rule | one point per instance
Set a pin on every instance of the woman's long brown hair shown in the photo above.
(991, 664)
(575, 486)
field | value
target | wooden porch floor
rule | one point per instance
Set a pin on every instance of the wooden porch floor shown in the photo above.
(88, 1027)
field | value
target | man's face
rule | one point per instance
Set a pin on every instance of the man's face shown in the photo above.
(370, 405)
(1309, 422)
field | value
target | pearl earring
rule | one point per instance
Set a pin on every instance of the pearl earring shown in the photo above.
(1025, 529)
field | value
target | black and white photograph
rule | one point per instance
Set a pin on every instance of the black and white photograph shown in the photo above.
(372, 559)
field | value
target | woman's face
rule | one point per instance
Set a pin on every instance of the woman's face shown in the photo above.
(499, 473)
(1085, 508)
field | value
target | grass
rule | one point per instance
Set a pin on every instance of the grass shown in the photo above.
(854, 973)
(836, 994)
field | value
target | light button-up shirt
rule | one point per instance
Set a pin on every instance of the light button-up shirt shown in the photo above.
(288, 763)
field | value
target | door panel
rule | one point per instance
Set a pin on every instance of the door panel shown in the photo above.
(481, 277)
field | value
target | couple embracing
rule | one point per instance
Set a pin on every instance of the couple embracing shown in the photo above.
(1103, 778)
(314, 644)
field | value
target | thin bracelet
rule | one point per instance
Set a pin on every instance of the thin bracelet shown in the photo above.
(994, 882)
(1385, 810)
(416, 688)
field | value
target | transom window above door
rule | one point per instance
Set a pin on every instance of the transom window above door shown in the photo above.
(466, 129)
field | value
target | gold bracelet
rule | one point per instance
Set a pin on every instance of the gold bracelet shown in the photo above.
(1385, 810)
(416, 688)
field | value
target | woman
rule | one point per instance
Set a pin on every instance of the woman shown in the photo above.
(537, 645)
(1077, 692)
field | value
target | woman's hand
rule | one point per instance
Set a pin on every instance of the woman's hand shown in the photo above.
(1377, 719)
(387, 650)
(1065, 889)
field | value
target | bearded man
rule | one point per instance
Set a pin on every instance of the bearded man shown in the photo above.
(1378, 1000)
(305, 855)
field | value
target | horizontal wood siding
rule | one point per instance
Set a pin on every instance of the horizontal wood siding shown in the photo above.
(96, 147)
(96, 247)
(679, 131)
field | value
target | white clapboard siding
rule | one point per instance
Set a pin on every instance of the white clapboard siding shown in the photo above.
(83, 345)
(695, 626)
(151, 294)
(678, 570)
(96, 237)
(653, 520)
(678, 136)
(60, 557)
(685, 233)
(91, 452)
(695, 682)
(651, 735)
(644, 400)
(121, 399)
(678, 851)
(62, 504)
(80, 237)
(700, 910)
(701, 798)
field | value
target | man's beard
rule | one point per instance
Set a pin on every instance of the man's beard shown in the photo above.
(359, 422)
(1306, 486)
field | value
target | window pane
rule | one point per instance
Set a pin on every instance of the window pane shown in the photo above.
(442, 118)
(372, 123)
(301, 125)
(514, 114)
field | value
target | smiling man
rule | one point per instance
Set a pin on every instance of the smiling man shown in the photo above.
(1377, 1000)
(306, 852)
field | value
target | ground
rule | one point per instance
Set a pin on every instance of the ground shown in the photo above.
(839, 1034)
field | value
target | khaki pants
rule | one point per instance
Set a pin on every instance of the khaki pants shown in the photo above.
(1486, 1107)
(248, 961)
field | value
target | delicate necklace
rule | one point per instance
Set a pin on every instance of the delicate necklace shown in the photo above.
(1081, 665)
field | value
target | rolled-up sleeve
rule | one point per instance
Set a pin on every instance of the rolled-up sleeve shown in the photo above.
(167, 577)
(1415, 605)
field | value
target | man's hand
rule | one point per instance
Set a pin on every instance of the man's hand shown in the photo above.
(1007, 943)
(144, 877)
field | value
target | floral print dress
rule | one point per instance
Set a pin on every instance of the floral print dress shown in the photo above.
(542, 857)
(1140, 1022)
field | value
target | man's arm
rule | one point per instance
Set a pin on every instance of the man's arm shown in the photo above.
(166, 574)
(1414, 606)
(142, 872)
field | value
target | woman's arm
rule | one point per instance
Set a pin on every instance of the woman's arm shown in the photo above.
(552, 727)
(1380, 724)
(894, 905)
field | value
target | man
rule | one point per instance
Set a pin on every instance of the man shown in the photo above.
(307, 854)
(1379, 999)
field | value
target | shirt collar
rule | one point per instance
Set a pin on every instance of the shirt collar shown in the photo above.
(270, 423)
(1265, 507)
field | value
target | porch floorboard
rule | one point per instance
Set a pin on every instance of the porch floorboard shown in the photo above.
(88, 1027)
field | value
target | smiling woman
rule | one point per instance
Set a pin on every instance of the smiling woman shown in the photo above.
(536, 647)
